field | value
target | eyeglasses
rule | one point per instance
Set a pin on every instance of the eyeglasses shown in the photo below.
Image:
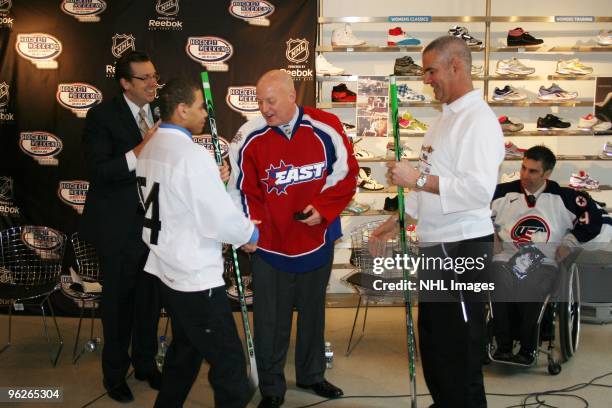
(151, 77)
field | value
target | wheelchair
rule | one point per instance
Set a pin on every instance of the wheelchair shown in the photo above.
(558, 322)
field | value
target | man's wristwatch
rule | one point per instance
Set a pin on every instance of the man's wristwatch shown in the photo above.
(421, 181)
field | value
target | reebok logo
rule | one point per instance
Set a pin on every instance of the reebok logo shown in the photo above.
(299, 74)
(7, 116)
(165, 24)
(7, 21)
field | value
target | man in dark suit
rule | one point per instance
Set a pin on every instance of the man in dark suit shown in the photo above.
(115, 133)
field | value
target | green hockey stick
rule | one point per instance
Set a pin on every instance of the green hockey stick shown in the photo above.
(404, 244)
(253, 377)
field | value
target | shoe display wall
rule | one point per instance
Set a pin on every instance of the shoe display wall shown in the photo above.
(538, 70)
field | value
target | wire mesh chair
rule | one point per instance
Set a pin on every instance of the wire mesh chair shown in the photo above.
(369, 278)
(30, 267)
(89, 272)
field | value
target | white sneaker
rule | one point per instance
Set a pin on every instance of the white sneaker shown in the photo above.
(604, 37)
(362, 154)
(367, 182)
(602, 126)
(345, 37)
(587, 121)
(513, 66)
(508, 177)
(582, 180)
(325, 68)
(573, 67)
(407, 152)
(476, 70)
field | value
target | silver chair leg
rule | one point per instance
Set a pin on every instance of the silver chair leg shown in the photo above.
(54, 357)
(92, 344)
(350, 349)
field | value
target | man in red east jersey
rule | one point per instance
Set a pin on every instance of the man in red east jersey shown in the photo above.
(292, 169)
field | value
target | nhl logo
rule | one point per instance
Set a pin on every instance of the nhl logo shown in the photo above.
(122, 43)
(6, 188)
(297, 50)
(5, 6)
(167, 7)
(4, 94)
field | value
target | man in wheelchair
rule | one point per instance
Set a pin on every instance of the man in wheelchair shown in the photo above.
(537, 224)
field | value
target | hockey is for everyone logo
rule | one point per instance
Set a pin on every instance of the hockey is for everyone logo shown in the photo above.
(73, 193)
(211, 52)
(253, 12)
(205, 141)
(40, 238)
(243, 99)
(41, 146)
(122, 43)
(86, 11)
(280, 177)
(78, 97)
(39, 48)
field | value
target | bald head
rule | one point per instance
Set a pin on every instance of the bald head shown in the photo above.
(276, 97)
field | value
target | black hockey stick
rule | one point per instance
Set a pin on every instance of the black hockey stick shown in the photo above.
(404, 246)
(253, 377)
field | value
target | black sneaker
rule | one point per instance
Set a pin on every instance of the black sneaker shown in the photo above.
(552, 122)
(405, 66)
(391, 204)
(519, 37)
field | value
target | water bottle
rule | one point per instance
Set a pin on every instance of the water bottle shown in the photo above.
(161, 352)
(329, 355)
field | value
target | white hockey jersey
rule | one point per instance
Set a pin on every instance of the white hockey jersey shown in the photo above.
(188, 212)
(559, 215)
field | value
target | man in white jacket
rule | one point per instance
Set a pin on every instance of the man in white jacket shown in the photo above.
(188, 217)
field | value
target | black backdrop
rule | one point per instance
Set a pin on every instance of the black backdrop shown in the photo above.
(42, 172)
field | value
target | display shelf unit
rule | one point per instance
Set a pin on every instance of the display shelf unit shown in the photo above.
(560, 157)
(572, 104)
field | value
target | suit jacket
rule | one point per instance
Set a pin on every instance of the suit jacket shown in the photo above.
(111, 207)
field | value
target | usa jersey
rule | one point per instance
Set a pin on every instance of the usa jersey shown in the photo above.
(274, 176)
(559, 215)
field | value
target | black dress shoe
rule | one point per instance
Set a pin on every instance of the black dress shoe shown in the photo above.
(271, 402)
(153, 377)
(119, 392)
(324, 389)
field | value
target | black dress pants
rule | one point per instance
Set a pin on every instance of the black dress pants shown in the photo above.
(130, 311)
(452, 350)
(203, 327)
(276, 293)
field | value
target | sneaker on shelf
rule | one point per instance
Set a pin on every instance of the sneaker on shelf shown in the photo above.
(362, 154)
(406, 151)
(398, 37)
(513, 150)
(551, 121)
(513, 66)
(508, 93)
(406, 94)
(604, 37)
(463, 33)
(582, 180)
(355, 208)
(324, 67)
(477, 70)
(405, 66)
(555, 93)
(340, 93)
(367, 182)
(521, 38)
(508, 177)
(344, 37)
(573, 67)
(587, 121)
(391, 203)
(607, 150)
(508, 126)
(602, 126)
(417, 126)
